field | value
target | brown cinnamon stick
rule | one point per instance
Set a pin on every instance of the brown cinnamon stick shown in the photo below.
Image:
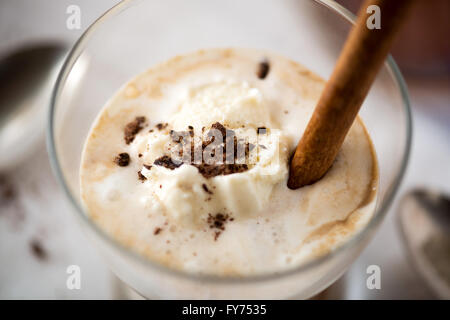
(362, 56)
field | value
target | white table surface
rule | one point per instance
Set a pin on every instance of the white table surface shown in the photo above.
(33, 209)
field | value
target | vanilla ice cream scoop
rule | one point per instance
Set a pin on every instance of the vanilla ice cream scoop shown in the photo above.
(179, 188)
(235, 104)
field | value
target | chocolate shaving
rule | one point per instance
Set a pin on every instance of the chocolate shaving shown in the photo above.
(122, 160)
(205, 187)
(7, 190)
(132, 128)
(147, 166)
(220, 127)
(157, 231)
(226, 134)
(141, 176)
(263, 69)
(218, 222)
(161, 126)
(262, 130)
(191, 131)
(177, 136)
(166, 162)
(226, 165)
(210, 171)
(38, 250)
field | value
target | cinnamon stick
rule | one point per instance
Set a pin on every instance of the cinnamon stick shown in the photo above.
(362, 56)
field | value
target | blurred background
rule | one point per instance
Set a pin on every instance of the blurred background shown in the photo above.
(39, 238)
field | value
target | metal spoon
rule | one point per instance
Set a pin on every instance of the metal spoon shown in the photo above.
(424, 220)
(27, 77)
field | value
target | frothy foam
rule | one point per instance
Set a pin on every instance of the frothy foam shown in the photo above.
(237, 222)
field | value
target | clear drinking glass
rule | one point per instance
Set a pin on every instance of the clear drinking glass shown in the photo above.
(135, 35)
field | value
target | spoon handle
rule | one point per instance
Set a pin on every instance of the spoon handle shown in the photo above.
(359, 62)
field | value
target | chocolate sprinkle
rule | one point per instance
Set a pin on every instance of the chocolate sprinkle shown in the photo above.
(263, 69)
(157, 231)
(123, 159)
(132, 128)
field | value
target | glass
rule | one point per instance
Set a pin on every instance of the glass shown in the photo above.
(135, 35)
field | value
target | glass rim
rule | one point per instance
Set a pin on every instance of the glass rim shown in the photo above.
(379, 214)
